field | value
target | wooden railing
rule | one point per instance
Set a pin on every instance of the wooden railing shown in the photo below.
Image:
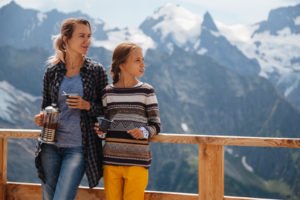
(210, 176)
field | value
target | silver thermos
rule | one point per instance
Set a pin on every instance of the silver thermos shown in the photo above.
(50, 123)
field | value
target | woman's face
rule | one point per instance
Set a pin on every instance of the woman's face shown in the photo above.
(80, 40)
(134, 65)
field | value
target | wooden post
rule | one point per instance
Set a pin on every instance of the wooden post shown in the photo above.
(211, 172)
(3, 167)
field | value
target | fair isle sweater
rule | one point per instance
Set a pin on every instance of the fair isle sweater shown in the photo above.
(130, 108)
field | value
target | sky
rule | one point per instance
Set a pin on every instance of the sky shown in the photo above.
(131, 13)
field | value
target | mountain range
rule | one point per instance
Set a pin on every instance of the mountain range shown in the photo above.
(210, 78)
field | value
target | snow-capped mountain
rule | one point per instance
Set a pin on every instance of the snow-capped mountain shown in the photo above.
(281, 18)
(274, 43)
(270, 49)
(172, 25)
(16, 107)
(215, 45)
(26, 28)
(273, 54)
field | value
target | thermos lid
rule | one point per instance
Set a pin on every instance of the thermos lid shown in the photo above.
(51, 109)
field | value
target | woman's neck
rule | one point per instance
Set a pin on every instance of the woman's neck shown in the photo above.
(73, 65)
(74, 62)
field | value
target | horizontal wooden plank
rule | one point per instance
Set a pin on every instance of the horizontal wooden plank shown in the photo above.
(245, 198)
(154, 195)
(186, 139)
(25, 191)
(19, 133)
(228, 140)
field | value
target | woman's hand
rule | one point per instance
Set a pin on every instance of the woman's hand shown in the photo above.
(136, 133)
(99, 133)
(77, 102)
(38, 119)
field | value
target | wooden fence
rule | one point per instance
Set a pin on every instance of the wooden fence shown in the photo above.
(210, 167)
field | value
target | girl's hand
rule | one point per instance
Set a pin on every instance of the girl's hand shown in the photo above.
(98, 132)
(38, 119)
(136, 133)
(77, 102)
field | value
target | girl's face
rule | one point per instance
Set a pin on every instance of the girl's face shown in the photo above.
(134, 65)
(80, 40)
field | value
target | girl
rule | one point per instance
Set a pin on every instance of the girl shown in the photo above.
(132, 106)
(61, 165)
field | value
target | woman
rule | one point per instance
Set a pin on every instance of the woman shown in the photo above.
(78, 149)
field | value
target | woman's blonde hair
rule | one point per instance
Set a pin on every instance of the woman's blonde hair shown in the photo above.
(120, 55)
(66, 30)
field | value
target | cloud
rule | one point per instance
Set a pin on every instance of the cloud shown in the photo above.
(133, 12)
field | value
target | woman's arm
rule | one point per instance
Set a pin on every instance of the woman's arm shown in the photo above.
(101, 80)
(46, 101)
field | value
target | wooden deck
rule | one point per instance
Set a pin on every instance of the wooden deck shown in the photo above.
(210, 167)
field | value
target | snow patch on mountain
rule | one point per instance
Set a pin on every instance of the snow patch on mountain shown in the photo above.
(99, 22)
(297, 21)
(41, 17)
(273, 52)
(292, 87)
(115, 36)
(202, 51)
(238, 33)
(246, 165)
(184, 127)
(178, 21)
(9, 97)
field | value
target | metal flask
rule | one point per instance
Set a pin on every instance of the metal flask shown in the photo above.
(50, 123)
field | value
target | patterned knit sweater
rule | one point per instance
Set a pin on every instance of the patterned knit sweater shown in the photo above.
(130, 108)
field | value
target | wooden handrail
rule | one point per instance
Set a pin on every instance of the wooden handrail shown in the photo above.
(211, 165)
(186, 139)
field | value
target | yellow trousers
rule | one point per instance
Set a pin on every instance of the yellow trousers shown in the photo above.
(125, 182)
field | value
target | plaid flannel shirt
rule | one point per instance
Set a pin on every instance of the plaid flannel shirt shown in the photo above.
(94, 79)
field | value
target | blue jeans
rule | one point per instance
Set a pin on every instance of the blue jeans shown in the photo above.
(64, 169)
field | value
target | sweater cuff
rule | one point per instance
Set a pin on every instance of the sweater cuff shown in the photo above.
(145, 132)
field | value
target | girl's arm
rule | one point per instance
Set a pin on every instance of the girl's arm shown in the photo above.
(152, 110)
